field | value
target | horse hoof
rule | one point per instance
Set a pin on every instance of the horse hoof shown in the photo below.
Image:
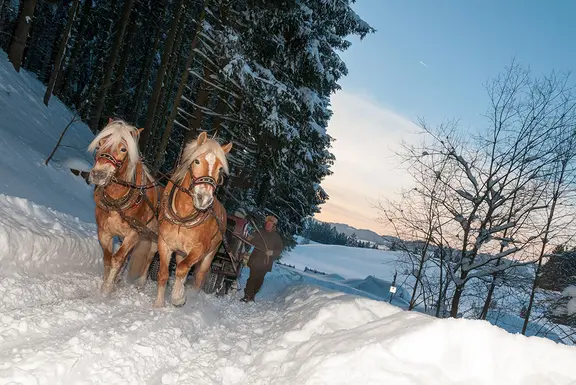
(140, 283)
(105, 289)
(158, 304)
(179, 302)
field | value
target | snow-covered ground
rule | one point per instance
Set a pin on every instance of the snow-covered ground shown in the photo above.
(370, 273)
(303, 329)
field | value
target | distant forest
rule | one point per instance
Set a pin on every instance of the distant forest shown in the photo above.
(327, 234)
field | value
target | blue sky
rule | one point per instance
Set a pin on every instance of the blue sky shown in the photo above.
(462, 44)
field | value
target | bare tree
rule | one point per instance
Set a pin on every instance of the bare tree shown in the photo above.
(417, 217)
(562, 177)
(497, 181)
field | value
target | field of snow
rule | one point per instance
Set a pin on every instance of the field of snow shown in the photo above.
(370, 273)
(304, 328)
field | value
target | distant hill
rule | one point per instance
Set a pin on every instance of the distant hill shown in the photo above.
(364, 234)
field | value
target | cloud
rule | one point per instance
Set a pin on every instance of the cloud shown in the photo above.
(367, 134)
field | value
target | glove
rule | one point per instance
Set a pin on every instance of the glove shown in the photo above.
(269, 253)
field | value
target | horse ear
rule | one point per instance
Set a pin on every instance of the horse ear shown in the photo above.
(110, 120)
(137, 133)
(202, 138)
(226, 148)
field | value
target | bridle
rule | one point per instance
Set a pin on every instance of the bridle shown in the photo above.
(205, 180)
(198, 216)
(109, 158)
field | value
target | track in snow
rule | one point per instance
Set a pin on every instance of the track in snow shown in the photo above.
(57, 330)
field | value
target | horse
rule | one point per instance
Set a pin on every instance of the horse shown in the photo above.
(127, 199)
(192, 220)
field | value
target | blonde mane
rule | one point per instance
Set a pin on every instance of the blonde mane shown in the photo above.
(119, 131)
(192, 151)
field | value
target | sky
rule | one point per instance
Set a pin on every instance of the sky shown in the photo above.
(428, 59)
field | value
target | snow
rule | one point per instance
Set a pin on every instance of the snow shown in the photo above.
(37, 238)
(28, 132)
(304, 328)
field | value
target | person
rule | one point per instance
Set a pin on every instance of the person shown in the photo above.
(268, 246)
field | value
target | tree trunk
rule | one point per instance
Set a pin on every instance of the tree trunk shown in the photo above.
(421, 266)
(61, 51)
(221, 109)
(119, 77)
(456, 299)
(101, 96)
(144, 75)
(545, 240)
(195, 122)
(18, 45)
(441, 282)
(491, 289)
(166, 94)
(62, 81)
(155, 97)
(183, 81)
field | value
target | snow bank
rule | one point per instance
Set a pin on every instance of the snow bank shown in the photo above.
(28, 132)
(330, 338)
(293, 334)
(36, 238)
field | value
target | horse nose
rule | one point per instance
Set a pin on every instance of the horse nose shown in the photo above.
(206, 200)
(97, 176)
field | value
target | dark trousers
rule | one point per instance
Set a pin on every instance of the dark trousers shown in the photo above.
(254, 283)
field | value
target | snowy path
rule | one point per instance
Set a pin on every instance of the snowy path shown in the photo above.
(63, 333)
(66, 334)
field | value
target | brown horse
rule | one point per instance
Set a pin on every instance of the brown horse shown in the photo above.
(192, 220)
(126, 199)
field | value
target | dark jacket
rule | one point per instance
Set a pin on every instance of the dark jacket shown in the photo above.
(272, 241)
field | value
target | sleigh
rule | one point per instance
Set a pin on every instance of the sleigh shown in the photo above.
(226, 266)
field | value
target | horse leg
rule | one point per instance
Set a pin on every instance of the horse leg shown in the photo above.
(141, 281)
(117, 261)
(107, 244)
(165, 253)
(138, 259)
(200, 273)
(182, 270)
(178, 292)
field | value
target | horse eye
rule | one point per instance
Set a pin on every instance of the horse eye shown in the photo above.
(196, 161)
(123, 149)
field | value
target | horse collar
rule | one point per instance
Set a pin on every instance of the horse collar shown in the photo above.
(192, 220)
(107, 203)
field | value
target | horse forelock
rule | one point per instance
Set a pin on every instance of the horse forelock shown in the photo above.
(116, 132)
(192, 152)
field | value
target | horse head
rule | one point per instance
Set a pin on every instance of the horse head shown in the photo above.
(116, 154)
(205, 161)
